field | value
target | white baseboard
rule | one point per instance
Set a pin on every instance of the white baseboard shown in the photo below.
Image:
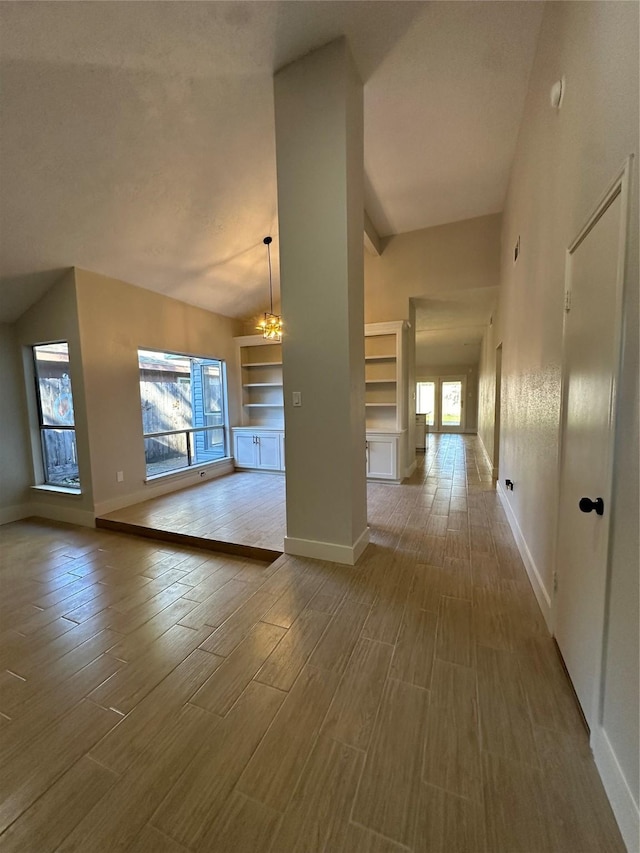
(622, 802)
(83, 517)
(486, 454)
(409, 471)
(14, 513)
(156, 488)
(541, 592)
(346, 554)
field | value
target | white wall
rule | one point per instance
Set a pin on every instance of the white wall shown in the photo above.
(115, 319)
(55, 318)
(564, 162)
(15, 470)
(105, 321)
(487, 384)
(458, 256)
(319, 148)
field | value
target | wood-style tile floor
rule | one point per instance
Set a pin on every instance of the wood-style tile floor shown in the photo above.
(246, 508)
(166, 700)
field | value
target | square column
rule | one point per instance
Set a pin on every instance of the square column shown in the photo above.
(319, 147)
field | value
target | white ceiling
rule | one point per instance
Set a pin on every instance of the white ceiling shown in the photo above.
(138, 138)
(449, 326)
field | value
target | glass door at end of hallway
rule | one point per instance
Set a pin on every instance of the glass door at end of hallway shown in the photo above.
(441, 400)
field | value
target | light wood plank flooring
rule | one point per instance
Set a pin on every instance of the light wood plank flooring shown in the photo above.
(162, 699)
(244, 508)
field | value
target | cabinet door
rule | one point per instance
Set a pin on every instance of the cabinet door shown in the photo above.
(268, 447)
(381, 458)
(244, 449)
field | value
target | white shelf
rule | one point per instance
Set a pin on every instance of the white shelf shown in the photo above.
(262, 385)
(379, 358)
(260, 382)
(381, 382)
(381, 405)
(263, 364)
(263, 405)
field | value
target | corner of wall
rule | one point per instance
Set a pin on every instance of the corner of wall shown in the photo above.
(8, 514)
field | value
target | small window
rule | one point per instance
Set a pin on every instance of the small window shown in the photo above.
(55, 415)
(183, 410)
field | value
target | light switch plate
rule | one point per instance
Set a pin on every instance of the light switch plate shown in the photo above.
(297, 398)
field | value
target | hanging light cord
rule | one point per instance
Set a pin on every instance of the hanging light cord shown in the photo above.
(267, 242)
(271, 325)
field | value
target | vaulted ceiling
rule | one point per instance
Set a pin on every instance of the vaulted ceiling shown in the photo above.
(450, 326)
(138, 138)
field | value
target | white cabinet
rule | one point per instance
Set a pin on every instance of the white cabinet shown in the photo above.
(260, 449)
(382, 456)
(244, 449)
(268, 451)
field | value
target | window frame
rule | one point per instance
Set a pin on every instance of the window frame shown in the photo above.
(40, 451)
(199, 362)
(438, 380)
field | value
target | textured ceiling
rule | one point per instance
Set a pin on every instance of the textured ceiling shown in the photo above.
(138, 138)
(449, 327)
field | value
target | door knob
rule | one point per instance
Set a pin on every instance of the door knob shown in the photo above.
(587, 505)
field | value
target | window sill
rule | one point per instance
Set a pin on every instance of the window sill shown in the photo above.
(192, 469)
(58, 490)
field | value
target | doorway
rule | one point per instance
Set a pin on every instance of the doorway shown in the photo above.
(441, 400)
(595, 266)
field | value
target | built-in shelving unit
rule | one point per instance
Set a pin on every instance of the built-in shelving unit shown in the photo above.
(259, 439)
(260, 367)
(383, 352)
(385, 400)
(258, 443)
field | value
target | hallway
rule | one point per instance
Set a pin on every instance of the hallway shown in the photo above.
(164, 699)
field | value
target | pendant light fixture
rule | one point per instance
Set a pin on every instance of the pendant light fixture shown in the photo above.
(271, 324)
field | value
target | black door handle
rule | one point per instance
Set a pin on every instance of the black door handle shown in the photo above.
(587, 505)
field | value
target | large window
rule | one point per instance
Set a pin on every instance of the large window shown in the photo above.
(183, 410)
(55, 415)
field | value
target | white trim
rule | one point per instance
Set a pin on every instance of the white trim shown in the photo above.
(334, 553)
(167, 476)
(163, 486)
(541, 593)
(409, 471)
(624, 806)
(14, 513)
(83, 517)
(57, 490)
(387, 327)
(488, 459)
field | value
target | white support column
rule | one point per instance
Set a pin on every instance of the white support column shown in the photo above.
(319, 145)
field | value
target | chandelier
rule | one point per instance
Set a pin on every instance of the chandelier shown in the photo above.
(271, 324)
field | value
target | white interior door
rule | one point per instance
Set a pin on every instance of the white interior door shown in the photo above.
(591, 349)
